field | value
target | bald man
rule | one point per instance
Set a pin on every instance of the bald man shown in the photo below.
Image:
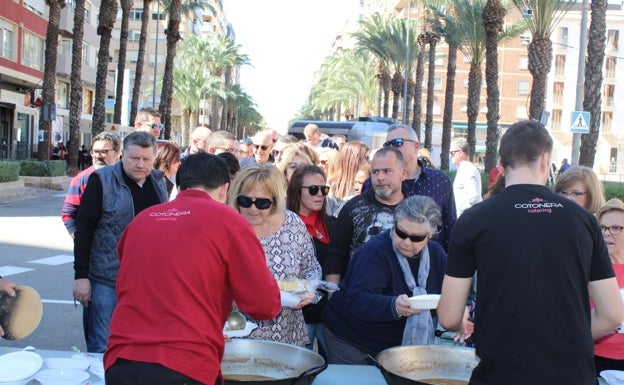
(199, 136)
(262, 145)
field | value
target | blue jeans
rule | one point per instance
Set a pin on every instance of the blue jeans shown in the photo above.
(97, 316)
(316, 331)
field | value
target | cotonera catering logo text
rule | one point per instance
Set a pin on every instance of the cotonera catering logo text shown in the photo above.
(170, 215)
(538, 206)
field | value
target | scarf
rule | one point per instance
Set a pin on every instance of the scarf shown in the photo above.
(419, 327)
(315, 227)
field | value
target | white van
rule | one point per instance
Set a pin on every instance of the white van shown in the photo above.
(371, 133)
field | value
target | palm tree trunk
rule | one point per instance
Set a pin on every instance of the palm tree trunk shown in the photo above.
(540, 59)
(474, 95)
(173, 36)
(420, 75)
(138, 75)
(397, 86)
(447, 120)
(49, 76)
(75, 101)
(386, 84)
(433, 41)
(126, 5)
(106, 22)
(493, 17)
(593, 80)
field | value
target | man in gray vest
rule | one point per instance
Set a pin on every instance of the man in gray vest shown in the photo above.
(113, 197)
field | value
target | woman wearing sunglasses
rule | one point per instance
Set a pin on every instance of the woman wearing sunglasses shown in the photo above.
(305, 195)
(371, 311)
(258, 193)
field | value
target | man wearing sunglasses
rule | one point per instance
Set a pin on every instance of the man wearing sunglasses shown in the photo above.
(421, 180)
(540, 262)
(262, 144)
(148, 120)
(367, 214)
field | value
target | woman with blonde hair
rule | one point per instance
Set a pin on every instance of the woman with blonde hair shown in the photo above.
(581, 185)
(258, 193)
(352, 155)
(328, 160)
(294, 155)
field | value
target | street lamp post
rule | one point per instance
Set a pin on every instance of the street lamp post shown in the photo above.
(407, 64)
(156, 56)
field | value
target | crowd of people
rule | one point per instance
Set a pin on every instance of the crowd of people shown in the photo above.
(221, 224)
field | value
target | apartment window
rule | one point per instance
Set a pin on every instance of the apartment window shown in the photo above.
(558, 92)
(136, 14)
(521, 112)
(32, 51)
(66, 47)
(563, 36)
(610, 67)
(609, 94)
(158, 16)
(613, 35)
(63, 95)
(436, 107)
(87, 12)
(607, 121)
(465, 82)
(6, 40)
(37, 6)
(132, 56)
(134, 35)
(560, 62)
(523, 87)
(437, 83)
(87, 101)
(523, 63)
(85, 52)
(525, 38)
(555, 120)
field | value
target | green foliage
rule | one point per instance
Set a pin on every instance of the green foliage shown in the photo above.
(614, 190)
(45, 168)
(9, 170)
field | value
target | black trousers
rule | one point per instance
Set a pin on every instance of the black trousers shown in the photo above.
(125, 372)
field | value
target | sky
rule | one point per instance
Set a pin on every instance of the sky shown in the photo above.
(287, 41)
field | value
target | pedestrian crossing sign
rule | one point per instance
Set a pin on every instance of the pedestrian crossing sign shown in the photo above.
(579, 122)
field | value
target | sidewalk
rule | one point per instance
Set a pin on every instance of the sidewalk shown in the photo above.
(28, 187)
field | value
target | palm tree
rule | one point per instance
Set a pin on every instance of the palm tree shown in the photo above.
(420, 75)
(75, 101)
(432, 39)
(593, 80)
(546, 14)
(106, 22)
(126, 6)
(138, 73)
(49, 76)
(493, 17)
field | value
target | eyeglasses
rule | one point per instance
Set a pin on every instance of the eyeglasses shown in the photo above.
(314, 189)
(398, 142)
(575, 194)
(613, 230)
(453, 152)
(294, 165)
(157, 126)
(413, 238)
(262, 147)
(103, 151)
(246, 202)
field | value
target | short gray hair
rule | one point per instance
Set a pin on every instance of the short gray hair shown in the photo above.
(410, 131)
(419, 209)
(218, 138)
(460, 144)
(140, 138)
(113, 138)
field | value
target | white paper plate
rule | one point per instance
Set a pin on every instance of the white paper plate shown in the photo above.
(19, 366)
(613, 377)
(62, 377)
(249, 327)
(425, 301)
(67, 363)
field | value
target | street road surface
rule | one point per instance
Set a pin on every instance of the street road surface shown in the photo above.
(37, 251)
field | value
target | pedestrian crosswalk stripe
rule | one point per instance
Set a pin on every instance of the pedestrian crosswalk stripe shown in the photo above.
(5, 271)
(54, 261)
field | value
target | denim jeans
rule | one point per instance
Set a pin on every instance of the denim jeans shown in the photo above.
(315, 330)
(97, 316)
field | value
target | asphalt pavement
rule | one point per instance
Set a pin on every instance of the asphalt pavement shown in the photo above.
(36, 250)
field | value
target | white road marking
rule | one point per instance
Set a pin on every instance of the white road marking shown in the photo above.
(60, 301)
(5, 271)
(54, 261)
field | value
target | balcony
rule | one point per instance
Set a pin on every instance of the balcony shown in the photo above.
(66, 24)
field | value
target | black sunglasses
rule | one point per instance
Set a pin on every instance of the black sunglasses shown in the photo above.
(262, 147)
(413, 238)
(314, 189)
(398, 142)
(246, 202)
(157, 126)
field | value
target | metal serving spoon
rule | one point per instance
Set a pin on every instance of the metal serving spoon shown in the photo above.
(236, 320)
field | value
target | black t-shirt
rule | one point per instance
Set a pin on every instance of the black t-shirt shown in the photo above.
(534, 252)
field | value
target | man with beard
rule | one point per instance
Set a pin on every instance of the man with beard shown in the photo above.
(104, 152)
(367, 214)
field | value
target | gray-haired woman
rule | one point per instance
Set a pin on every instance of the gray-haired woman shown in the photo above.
(371, 312)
